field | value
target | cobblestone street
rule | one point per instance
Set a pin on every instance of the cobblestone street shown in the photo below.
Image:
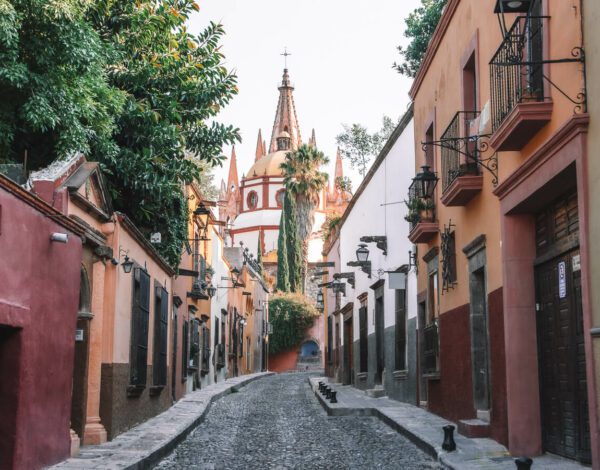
(276, 422)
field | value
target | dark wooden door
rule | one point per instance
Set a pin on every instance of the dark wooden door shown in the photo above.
(563, 385)
(348, 353)
(379, 334)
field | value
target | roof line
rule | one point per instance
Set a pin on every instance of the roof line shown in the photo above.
(408, 115)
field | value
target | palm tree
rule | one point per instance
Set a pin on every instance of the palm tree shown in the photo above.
(305, 182)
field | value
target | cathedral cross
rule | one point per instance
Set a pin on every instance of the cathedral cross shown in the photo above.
(285, 55)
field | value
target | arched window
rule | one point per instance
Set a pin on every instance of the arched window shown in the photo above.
(252, 200)
(279, 197)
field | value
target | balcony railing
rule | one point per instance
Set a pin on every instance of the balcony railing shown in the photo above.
(430, 349)
(459, 144)
(516, 69)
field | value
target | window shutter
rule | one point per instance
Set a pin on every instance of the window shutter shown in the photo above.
(184, 350)
(159, 367)
(139, 327)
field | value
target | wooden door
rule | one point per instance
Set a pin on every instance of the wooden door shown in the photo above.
(379, 341)
(348, 353)
(563, 385)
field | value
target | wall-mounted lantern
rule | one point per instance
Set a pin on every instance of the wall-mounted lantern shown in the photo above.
(211, 291)
(202, 213)
(512, 6)
(320, 301)
(424, 183)
(362, 253)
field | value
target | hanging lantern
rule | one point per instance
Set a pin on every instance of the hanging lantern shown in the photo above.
(424, 183)
(512, 6)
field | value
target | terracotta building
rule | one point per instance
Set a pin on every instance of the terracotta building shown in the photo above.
(39, 301)
(504, 286)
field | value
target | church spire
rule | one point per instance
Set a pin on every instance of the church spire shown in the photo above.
(286, 119)
(260, 149)
(339, 169)
(232, 180)
(313, 139)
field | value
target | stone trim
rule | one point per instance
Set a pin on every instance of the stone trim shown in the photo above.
(431, 254)
(475, 245)
(378, 284)
(400, 374)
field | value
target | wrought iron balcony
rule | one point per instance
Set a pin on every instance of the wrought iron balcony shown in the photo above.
(517, 68)
(460, 149)
(421, 217)
(431, 349)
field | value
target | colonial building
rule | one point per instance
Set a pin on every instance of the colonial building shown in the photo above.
(252, 209)
(372, 305)
(500, 216)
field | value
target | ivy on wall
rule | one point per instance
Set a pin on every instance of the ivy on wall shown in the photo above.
(291, 315)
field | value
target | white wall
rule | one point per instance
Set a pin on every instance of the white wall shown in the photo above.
(380, 210)
(219, 301)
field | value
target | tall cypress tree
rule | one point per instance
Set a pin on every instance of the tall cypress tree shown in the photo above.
(259, 258)
(283, 272)
(294, 247)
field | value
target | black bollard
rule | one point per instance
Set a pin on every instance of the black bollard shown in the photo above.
(321, 386)
(328, 392)
(523, 463)
(449, 445)
(333, 398)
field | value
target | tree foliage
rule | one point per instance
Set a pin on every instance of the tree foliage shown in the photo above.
(54, 95)
(420, 26)
(304, 181)
(175, 84)
(291, 315)
(359, 147)
(343, 184)
(283, 270)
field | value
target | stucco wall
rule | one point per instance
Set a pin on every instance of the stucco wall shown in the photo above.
(39, 293)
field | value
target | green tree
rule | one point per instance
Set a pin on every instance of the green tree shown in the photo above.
(283, 270)
(175, 85)
(343, 184)
(294, 247)
(54, 95)
(291, 314)
(359, 147)
(305, 182)
(420, 26)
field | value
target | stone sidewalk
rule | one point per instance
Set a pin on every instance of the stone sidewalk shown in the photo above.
(146, 444)
(425, 430)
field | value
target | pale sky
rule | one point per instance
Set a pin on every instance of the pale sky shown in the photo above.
(342, 53)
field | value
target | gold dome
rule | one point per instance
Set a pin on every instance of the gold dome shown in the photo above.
(268, 165)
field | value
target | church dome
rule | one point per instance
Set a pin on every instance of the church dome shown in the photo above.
(268, 165)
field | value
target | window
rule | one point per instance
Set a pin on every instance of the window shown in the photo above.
(195, 344)
(161, 322)
(470, 101)
(429, 151)
(252, 200)
(432, 296)
(400, 310)
(363, 339)
(241, 341)
(448, 260)
(279, 197)
(139, 328)
(205, 350)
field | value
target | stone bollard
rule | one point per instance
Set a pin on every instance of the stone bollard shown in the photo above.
(449, 445)
(321, 386)
(523, 463)
(327, 392)
(333, 398)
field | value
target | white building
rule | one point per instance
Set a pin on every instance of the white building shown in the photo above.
(377, 320)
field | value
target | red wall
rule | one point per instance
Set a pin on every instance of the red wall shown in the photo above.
(39, 297)
(452, 395)
(499, 417)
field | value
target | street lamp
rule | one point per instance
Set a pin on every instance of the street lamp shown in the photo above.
(203, 214)
(512, 6)
(211, 291)
(235, 276)
(362, 253)
(424, 183)
(320, 301)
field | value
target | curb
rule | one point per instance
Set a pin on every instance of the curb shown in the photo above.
(429, 449)
(154, 455)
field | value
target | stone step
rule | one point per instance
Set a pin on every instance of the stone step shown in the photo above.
(376, 392)
(474, 428)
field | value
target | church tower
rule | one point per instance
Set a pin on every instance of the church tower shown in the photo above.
(251, 207)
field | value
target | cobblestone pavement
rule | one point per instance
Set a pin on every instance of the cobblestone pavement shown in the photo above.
(277, 423)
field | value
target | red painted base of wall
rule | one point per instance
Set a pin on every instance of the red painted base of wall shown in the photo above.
(284, 362)
(452, 395)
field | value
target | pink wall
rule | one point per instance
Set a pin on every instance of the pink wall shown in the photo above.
(39, 297)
